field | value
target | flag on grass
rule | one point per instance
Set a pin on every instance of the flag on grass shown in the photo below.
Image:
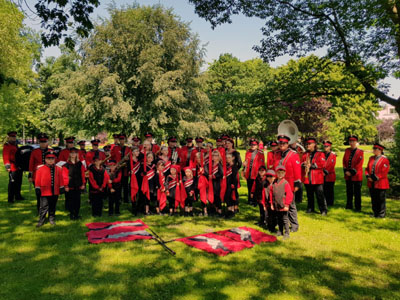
(248, 235)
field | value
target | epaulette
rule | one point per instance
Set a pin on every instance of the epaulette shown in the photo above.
(39, 166)
(333, 153)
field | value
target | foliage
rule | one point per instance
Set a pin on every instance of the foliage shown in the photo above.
(386, 130)
(394, 158)
(140, 72)
(364, 35)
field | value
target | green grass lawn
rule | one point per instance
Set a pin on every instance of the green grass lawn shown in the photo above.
(346, 255)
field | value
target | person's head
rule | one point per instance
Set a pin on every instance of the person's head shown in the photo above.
(149, 137)
(327, 146)
(209, 146)
(43, 140)
(12, 137)
(280, 172)
(199, 142)
(112, 164)
(353, 141)
(107, 150)
(116, 138)
(135, 151)
(216, 156)
(270, 174)
(136, 141)
(82, 145)
(147, 145)
(173, 171)
(311, 144)
(188, 172)
(50, 158)
(160, 165)
(189, 142)
(224, 138)
(149, 157)
(219, 142)
(261, 171)
(164, 150)
(229, 144)
(274, 146)
(229, 158)
(198, 157)
(253, 144)
(73, 155)
(95, 144)
(172, 142)
(69, 141)
(122, 139)
(283, 142)
(378, 149)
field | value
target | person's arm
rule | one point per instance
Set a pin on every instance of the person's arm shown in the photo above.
(296, 172)
(65, 175)
(60, 179)
(6, 157)
(93, 182)
(83, 170)
(288, 195)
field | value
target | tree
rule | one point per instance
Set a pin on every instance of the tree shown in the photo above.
(386, 130)
(140, 71)
(363, 35)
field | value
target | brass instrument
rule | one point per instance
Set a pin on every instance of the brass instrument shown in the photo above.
(102, 162)
(307, 165)
(289, 128)
(174, 156)
(122, 162)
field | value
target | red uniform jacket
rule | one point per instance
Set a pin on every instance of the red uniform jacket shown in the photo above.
(316, 174)
(43, 180)
(196, 150)
(64, 155)
(65, 172)
(178, 150)
(154, 148)
(116, 154)
(185, 155)
(90, 155)
(353, 162)
(82, 157)
(329, 169)
(36, 159)
(377, 169)
(9, 156)
(95, 188)
(258, 161)
(271, 157)
(291, 161)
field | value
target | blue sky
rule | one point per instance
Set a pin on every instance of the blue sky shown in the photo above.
(237, 38)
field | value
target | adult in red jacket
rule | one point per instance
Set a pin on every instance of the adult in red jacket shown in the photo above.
(353, 174)
(94, 153)
(185, 153)
(291, 161)
(173, 151)
(82, 152)
(14, 172)
(64, 153)
(116, 141)
(312, 174)
(123, 152)
(154, 147)
(36, 160)
(330, 174)
(198, 149)
(272, 155)
(49, 184)
(376, 172)
(254, 159)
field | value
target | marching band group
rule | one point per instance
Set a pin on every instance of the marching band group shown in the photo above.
(169, 179)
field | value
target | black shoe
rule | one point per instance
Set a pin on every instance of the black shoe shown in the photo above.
(71, 217)
(357, 210)
(279, 233)
(39, 225)
(19, 198)
(52, 222)
(310, 211)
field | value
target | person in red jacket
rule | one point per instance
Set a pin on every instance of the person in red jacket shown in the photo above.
(14, 172)
(114, 192)
(254, 159)
(291, 161)
(37, 159)
(173, 150)
(272, 154)
(64, 153)
(49, 184)
(281, 195)
(82, 152)
(186, 152)
(353, 174)
(99, 180)
(154, 147)
(330, 174)
(198, 149)
(123, 152)
(313, 163)
(94, 152)
(116, 141)
(74, 182)
(376, 173)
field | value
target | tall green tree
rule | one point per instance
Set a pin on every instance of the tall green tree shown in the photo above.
(140, 71)
(363, 34)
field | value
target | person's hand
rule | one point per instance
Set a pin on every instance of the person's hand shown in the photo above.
(67, 189)
(112, 190)
(272, 207)
(210, 176)
(347, 173)
(30, 179)
(286, 208)
(82, 187)
(167, 193)
(251, 195)
(191, 193)
(296, 189)
(370, 179)
(110, 181)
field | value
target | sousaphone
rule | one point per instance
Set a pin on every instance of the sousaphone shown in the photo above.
(289, 128)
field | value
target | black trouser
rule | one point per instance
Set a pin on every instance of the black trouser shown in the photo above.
(47, 205)
(114, 200)
(271, 219)
(292, 215)
(217, 200)
(189, 201)
(353, 188)
(378, 201)
(14, 185)
(97, 204)
(250, 183)
(298, 196)
(329, 192)
(73, 198)
(263, 213)
(125, 187)
(318, 189)
(171, 202)
(37, 199)
(283, 221)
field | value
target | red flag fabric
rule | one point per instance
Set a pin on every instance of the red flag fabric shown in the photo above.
(134, 187)
(210, 183)
(213, 243)
(223, 181)
(137, 225)
(183, 194)
(123, 236)
(248, 235)
(202, 186)
(161, 196)
(145, 182)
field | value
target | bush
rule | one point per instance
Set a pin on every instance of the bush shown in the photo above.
(394, 157)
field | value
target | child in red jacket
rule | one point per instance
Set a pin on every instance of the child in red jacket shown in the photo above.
(281, 196)
(114, 192)
(48, 185)
(99, 180)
